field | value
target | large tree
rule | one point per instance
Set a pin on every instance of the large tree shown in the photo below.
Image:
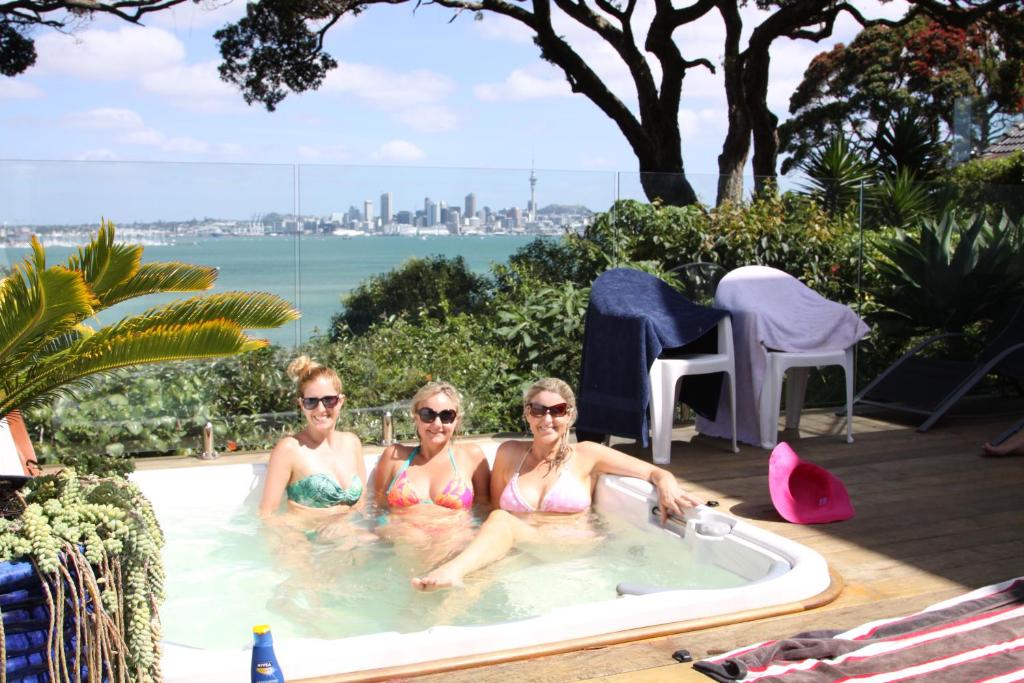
(920, 68)
(278, 47)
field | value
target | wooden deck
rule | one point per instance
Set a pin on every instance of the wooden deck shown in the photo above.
(934, 519)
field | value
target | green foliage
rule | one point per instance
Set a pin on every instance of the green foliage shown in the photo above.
(837, 175)
(394, 358)
(47, 350)
(94, 537)
(950, 274)
(920, 67)
(997, 183)
(435, 286)
(544, 328)
(899, 200)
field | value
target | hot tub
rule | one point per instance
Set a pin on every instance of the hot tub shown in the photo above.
(770, 572)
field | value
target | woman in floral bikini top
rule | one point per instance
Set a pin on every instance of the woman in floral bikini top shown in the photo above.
(547, 475)
(437, 472)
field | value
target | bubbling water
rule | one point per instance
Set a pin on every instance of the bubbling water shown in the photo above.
(352, 577)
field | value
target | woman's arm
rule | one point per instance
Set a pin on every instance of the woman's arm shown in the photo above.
(355, 447)
(382, 472)
(481, 470)
(279, 473)
(671, 497)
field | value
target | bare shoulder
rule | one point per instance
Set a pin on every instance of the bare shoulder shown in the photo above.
(348, 440)
(509, 453)
(285, 449)
(470, 451)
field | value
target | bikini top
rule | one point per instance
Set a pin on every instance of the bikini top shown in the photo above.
(321, 490)
(457, 495)
(567, 494)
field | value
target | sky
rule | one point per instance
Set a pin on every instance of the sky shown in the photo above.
(144, 129)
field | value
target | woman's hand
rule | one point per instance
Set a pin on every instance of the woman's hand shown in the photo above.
(672, 499)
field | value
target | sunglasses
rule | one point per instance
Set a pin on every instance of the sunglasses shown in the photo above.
(309, 402)
(428, 415)
(540, 410)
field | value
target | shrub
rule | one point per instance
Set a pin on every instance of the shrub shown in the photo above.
(435, 286)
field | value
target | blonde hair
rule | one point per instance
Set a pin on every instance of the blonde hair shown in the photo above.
(432, 388)
(304, 370)
(556, 386)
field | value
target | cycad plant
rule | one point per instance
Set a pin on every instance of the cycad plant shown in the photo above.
(836, 174)
(48, 348)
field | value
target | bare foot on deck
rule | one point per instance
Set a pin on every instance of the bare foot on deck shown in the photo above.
(442, 577)
(1012, 446)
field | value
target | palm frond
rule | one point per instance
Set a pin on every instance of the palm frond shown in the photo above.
(38, 305)
(250, 310)
(106, 264)
(104, 352)
(155, 278)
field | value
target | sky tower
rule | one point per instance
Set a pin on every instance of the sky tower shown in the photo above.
(532, 213)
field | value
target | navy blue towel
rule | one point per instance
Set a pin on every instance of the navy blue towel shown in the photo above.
(632, 319)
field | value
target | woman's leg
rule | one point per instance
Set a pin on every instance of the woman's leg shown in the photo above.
(498, 534)
(1012, 446)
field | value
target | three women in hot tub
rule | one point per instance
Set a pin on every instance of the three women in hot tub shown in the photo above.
(320, 470)
(545, 480)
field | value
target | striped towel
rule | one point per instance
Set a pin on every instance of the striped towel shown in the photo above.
(975, 637)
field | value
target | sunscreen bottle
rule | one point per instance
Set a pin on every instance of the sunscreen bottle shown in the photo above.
(265, 668)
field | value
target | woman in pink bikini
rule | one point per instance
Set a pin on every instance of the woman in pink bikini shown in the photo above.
(431, 487)
(547, 475)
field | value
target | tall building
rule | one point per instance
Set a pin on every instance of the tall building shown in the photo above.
(470, 205)
(368, 211)
(385, 208)
(517, 217)
(428, 211)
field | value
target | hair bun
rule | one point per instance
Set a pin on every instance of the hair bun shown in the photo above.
(301, 367)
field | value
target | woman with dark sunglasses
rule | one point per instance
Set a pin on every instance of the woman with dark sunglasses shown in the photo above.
(438, 475)
(546, 482)
(318, 469)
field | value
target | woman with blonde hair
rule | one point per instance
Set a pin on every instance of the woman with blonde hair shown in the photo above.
(546, 482)
(438, 472)
(319, 468)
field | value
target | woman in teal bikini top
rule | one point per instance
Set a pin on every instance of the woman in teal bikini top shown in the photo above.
(310, 467)
(321, 490)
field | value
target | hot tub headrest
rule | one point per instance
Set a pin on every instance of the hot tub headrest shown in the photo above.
(805, 493)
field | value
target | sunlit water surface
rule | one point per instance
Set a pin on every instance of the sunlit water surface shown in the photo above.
(223, 576)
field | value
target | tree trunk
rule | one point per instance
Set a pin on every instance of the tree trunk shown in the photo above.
(670, 187)
(736, 146)
(764, 124)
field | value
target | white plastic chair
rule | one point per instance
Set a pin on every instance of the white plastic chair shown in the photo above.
(665, 375)
(798, 366)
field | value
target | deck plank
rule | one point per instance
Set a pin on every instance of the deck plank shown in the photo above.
(934, 520)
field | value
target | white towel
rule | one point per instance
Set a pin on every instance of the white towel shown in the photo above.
(773, 310)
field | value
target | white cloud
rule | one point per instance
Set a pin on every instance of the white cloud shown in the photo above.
(108, 55)
(101, 154)
(193, 86)
(388, 89)
(144, 136)
(497, 27)
(201, 15)
(399, 151)
(186, 145)
(14, 89)
(525, 84)
(104, 118)
(430, 118)
(704, 123)
(324, 153)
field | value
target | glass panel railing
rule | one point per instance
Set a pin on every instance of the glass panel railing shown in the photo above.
(510, 311)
